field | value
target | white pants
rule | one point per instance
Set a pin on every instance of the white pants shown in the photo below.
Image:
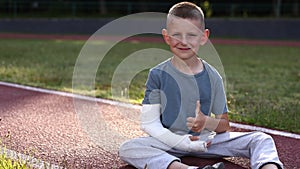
(257, 146)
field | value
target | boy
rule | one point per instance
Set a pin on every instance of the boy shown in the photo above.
(180, 95)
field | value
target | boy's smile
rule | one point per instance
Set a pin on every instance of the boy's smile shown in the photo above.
(184, 49)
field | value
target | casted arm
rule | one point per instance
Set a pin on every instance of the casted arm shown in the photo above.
(151, 124)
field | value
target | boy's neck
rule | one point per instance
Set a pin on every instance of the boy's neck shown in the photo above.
(191, 66)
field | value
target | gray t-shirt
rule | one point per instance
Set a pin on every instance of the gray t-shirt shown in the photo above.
(178, 92)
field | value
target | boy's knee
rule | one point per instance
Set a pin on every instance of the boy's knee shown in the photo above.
(129, 148)
(261, 137)
(125, 147)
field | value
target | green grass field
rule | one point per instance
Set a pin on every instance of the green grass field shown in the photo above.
(262, 81)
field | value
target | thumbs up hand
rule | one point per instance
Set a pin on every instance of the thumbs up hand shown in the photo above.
(197, 123)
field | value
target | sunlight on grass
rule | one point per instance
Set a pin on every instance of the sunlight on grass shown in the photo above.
(263, 85)
(7, 162)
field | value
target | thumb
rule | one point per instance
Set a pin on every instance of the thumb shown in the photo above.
(198, 106)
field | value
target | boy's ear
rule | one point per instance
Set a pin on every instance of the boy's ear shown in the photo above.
(164, 32)
(205, 36)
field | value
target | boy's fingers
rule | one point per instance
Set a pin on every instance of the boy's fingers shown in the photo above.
(194, 138)
(189, 125)
(190, 119)
(190, 122)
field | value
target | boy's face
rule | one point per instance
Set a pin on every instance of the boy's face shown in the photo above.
(184, 36)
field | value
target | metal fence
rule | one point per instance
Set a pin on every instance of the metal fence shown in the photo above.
(105, 8)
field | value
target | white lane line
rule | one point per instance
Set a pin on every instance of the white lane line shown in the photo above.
(72, 95)
(116, 103)
(31, 161)
(266, 130)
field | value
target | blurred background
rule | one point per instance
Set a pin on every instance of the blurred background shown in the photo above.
(104, 8)
(40, 40)
(264, 19)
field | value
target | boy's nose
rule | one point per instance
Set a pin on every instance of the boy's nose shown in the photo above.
(184, 40)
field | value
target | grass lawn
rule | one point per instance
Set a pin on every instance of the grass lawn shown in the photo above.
(262, 81)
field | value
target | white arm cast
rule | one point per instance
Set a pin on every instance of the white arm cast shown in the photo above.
(151, 124)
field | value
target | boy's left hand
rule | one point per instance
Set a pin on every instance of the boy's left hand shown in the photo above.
(197, 124)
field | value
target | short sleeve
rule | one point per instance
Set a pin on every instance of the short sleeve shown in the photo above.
(219, 102)
(152, 92)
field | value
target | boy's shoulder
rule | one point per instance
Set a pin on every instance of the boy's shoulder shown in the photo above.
(210, 68)
(161, 66)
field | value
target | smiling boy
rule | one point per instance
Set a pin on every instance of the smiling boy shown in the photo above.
(181, 93)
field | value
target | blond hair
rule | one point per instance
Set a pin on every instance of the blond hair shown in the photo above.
(187, 10)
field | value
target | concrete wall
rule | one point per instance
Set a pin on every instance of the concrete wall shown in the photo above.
(236, 28)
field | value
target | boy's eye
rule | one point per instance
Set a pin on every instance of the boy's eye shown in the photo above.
(192, 35)
(175, 35)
